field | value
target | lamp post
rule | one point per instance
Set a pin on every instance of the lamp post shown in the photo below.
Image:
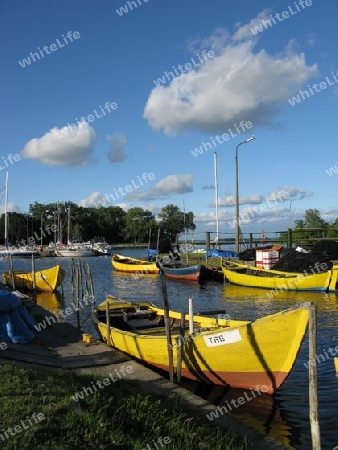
(237, 196)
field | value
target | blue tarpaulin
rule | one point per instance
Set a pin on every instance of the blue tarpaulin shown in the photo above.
(16, 324)
(221, 254)
(151, 252)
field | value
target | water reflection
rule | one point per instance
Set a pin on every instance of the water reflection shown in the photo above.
(49, 301)
(286, 414)
(261, 412)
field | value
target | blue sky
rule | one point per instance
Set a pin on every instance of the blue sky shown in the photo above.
(119, 57)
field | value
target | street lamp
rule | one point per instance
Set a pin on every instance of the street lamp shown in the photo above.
(237, 196)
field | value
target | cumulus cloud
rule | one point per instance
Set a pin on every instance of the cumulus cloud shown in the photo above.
(239, 83)
(245, 31)
(68, 146)
(244, 200)
(11, 207)
(117, 152)
(167, 187)
(95, 200)
(287, 193)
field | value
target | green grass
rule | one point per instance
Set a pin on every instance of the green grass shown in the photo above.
(117, 416)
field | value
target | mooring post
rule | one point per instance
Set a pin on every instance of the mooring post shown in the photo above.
(180, 348)
(207, 241)
(108, 323)
(33, 276)
(167, 328)
(313, 388)
(11, 272)
(191, 316)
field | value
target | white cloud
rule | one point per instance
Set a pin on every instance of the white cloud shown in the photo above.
(95, 200)
(239, 83)
(11, 207)
(167, 187)
(243, 200)
(117, 152)
(245, 31)
(287, 193)
(67, 146)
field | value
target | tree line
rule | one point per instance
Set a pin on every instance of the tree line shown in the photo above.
(313, 226)
(45, 223)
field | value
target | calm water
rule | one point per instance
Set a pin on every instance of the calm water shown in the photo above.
(283, 416)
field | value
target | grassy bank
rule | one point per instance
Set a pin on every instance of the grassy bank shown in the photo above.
(116, 416)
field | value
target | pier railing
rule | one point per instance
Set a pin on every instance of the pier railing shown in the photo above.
(290, 238)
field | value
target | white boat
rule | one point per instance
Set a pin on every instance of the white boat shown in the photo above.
(74, 248)
(101, 246)
(75, 252)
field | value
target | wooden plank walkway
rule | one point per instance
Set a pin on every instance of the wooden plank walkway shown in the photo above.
(60, 345)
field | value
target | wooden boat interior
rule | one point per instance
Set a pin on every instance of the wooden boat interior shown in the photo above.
(251, 270)
(143, 319)
(130, 261)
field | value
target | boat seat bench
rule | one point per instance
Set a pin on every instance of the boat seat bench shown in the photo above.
(137, 324)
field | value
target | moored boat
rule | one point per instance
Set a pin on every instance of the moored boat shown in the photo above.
(182, 271)
(238, 353)
(18, 252)
(123, 263)
(75, 252)
(252, 276)
(45, 280)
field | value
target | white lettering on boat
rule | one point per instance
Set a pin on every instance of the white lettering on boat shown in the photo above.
(226, 337)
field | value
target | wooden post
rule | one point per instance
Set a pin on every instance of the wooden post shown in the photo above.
(250, 240)
(77, 291)
(289, 237)
(33, 275)
(207, 241)
(11, 271)
(158, 242)
(91, 286)
(191, 316)
(167, 328)
(108, 323)
(313, 393)
(180, 348)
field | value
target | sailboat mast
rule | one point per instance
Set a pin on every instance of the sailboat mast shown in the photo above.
(185, 234)
(68, 227)
(216, 196)
(6, 210)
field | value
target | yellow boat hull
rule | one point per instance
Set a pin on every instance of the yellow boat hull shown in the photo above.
(247, 355)
(132, 265)
(336, 365)
(279, 280)
(47, 280)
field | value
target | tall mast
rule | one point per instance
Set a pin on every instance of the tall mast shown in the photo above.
(6, 210)
(185, 234)
(216, 197)
(68, 227)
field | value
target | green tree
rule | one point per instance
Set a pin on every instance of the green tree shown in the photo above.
(304, 228)
(137, 223)
(173, 221)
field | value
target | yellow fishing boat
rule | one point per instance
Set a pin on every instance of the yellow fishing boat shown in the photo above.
(252, 276)
(336, 365)
(242, 354)
(132, 265)
(45, 280)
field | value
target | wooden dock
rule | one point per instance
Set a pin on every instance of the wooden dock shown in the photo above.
(60, 345)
